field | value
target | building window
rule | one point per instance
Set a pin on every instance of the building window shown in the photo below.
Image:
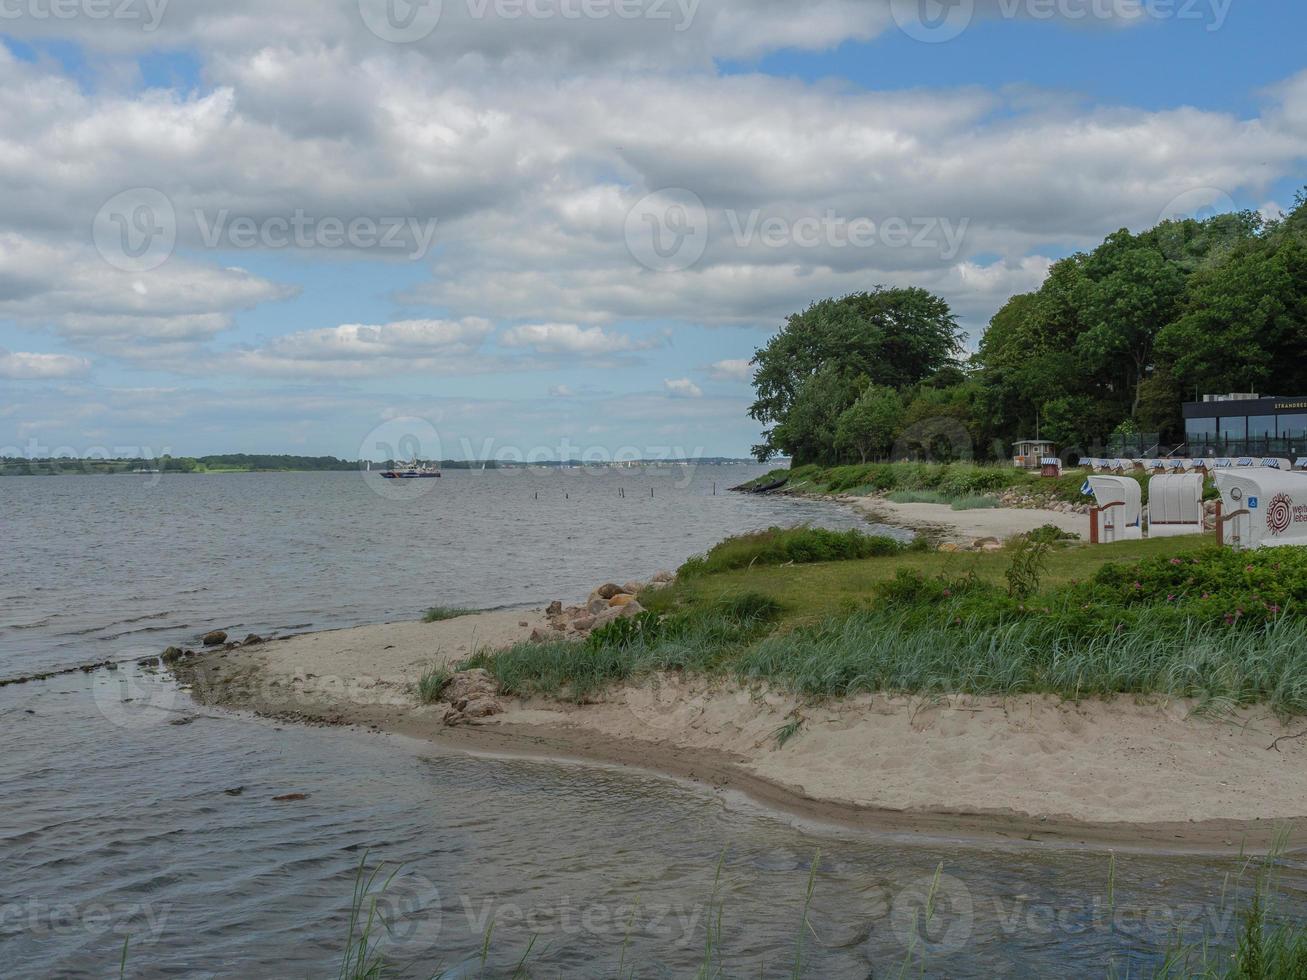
(1261, 427)
(1294, 427)
(1199, 432)
(1235, 429)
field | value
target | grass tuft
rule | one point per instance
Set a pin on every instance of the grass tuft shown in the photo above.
(432, 684)
(917, 497)
(438, 614)
(974, 502)
(788, 731)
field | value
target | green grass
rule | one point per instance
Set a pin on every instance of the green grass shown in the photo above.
(974, 502)
(786, 546)
(1269, 945)
(965, 502)
(880, 651)
(1173, 617)
(787, 731)
(811, 592)
(702, 640)
(438, 614)
(916, 497)
(951, 481)
(433, 683)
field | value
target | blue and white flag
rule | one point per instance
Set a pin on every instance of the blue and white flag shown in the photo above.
(1087, 489)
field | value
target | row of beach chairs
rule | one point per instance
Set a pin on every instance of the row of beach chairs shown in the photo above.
(1181, 465)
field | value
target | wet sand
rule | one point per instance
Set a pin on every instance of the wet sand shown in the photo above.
(1124, 773)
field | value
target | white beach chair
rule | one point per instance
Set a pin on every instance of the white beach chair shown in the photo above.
(1175, 505)
(1119, 512)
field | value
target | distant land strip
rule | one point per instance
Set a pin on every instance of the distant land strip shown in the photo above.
(247, 463)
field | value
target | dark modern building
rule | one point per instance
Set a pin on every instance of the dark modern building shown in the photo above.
(1246, 425)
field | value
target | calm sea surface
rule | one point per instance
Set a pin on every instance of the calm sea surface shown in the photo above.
(116, 567)
(118, 825)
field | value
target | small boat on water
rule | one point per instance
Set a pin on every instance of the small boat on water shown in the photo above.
(413, 471)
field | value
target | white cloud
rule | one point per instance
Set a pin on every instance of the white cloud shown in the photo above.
(529, 142)
(531, 183)
(682, 388)
(569, 338)
(561, 391)
(19, 366)
(732, 370)
(74, 291)
(360, 350)
(678, 34)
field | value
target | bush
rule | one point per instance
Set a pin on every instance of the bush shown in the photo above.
(1052, 534)
(910, 589)
(1029, 559)
(781, 546)
(965, 479)
(1214, 587)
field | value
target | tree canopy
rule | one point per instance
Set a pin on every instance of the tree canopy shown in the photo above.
(1114, 338)
(823, 358)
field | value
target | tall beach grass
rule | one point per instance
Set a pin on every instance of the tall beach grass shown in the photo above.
(879, 651)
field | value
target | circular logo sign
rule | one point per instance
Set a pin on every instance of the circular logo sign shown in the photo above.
(134, 697)
(1198, 203)
(1279, 513)
(409, 909)
(401, 21)
(667, 231)
(933, 915)
(406, 445)
(933, 21)
(136, 231)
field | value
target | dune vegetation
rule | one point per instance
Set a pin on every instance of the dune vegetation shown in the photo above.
(1175, 617)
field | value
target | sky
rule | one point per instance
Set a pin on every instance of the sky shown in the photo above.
(561, 228)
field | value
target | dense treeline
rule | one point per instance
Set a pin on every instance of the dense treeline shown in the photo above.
(1112, 342)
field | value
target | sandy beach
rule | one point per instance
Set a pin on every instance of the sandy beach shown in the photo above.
(1124, 773)
(942, 522)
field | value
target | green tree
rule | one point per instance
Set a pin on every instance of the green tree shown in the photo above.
(870, 425)
(808, 431)
(1130, 291)
(889, 337)
(1244, 327)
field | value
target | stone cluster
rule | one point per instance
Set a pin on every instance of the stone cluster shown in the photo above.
(604, 605)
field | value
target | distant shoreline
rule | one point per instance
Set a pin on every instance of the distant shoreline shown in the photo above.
(201, 466)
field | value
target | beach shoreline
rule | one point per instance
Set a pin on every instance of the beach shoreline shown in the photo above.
(942, 523)
(1033, 770)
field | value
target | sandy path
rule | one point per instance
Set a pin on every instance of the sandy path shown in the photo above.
(964, 526)
(1031, 767)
